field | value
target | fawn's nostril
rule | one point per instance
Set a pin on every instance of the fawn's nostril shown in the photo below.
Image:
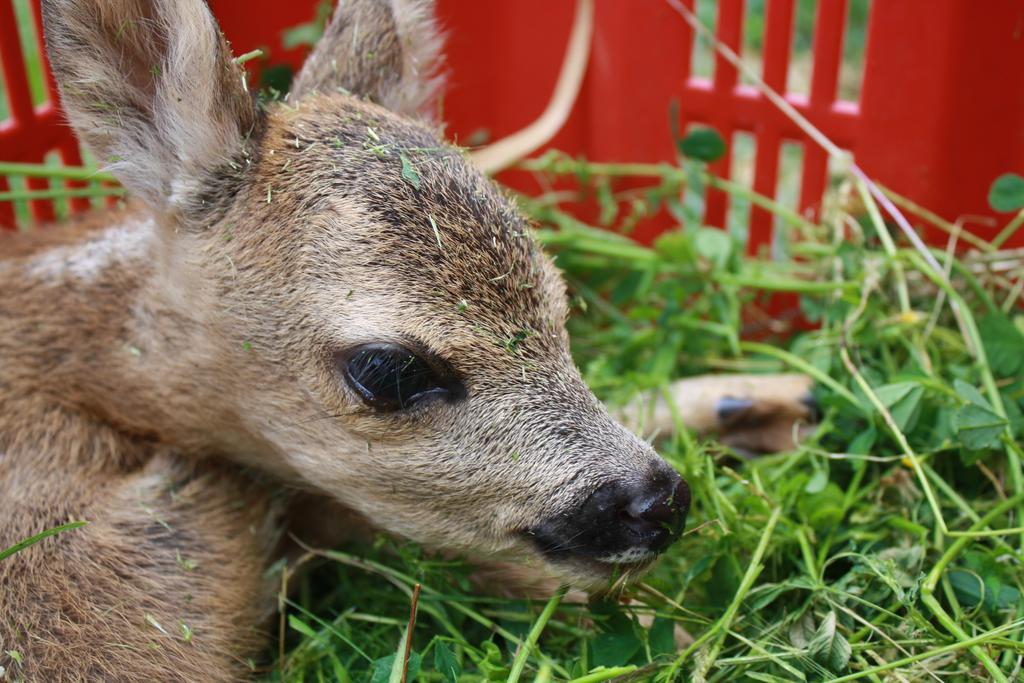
(620, 522)
(649, 512)
(658, 513)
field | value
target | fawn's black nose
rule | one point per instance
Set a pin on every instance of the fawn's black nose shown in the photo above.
(621, 522)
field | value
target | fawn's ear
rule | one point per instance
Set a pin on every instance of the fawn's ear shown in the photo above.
(151, 88)
(387, 51)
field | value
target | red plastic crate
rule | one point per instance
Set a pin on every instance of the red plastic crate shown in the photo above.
(941, 111)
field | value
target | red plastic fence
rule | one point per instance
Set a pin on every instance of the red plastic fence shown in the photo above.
(941, 111)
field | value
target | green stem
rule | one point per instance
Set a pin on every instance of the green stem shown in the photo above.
(61, 193)
(248, 56)
(721, 627)
(936, 220)
(1006, 233)
(913, 659)
(902, 290)
(604, 674)
(61, 172)
(523, 653)
(988, 380)
(931, 581)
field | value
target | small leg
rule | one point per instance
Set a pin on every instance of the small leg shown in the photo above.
(165, 583)
(752, 413)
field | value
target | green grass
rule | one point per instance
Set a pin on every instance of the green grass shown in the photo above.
(887, 547)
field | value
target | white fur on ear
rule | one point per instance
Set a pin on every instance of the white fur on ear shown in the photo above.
(422, 43)
(388, 51)
(152, 90)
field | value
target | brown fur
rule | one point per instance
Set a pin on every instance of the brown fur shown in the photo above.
(147, 355)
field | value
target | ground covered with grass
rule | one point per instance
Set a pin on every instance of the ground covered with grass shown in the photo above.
(887, 547)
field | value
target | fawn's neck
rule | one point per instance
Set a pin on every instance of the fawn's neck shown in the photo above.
(99, 326)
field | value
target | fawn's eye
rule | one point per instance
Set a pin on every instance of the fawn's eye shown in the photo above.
(390, 377)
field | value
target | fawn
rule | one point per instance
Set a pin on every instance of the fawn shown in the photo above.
(317, 294)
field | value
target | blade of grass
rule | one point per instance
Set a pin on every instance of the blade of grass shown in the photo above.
(32, 540)
(523, 653)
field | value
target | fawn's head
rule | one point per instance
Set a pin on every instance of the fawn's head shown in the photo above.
(373, 310)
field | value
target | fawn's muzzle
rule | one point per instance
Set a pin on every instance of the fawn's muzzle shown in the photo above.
(622, 522)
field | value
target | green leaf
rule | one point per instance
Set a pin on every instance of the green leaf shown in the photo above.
(802, 631)
(973, 590)
(380, 670)
(675, 246)
(445, 662)
(829, 647)
(766, 678)
(968, 586)
(985, 580)
(713, 244)
(492, 666)
(970, 394)
(703, 144)
(662, 637)
(302, 627)
(864, 441)
(1003, 343)
(1004, 596)
(1007, 193)
(817, 483)
(409, 173)
(765, 595)
(302, 35)
(903, 399)
(32, 540)
(978, 427)
(617, 642)
(389, 669)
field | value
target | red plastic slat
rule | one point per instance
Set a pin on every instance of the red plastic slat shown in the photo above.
(730, 32)
(828, 50)
(943, 105)
(13, 61)
(729, 29)
(42, 209)
(766, 174)
(777, 44)
(626, 43)
(6, 208)
(686, 59)
(813, 179)
(778, 40)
